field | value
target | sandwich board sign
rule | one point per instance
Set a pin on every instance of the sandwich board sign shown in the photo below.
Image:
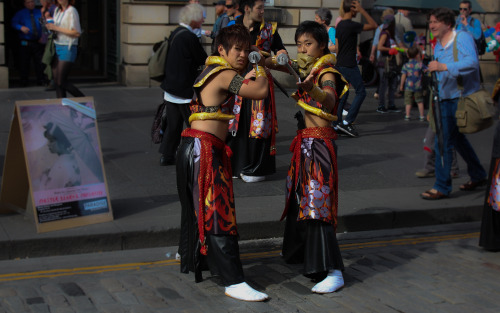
(53, 167)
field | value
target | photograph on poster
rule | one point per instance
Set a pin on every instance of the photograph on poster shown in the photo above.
(64, 162)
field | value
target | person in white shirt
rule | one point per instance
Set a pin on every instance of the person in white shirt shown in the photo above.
(67, 28)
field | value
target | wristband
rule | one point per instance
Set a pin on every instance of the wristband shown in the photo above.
(317, 94)
(260, 72)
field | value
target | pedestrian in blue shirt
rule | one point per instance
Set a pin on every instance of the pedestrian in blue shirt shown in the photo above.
(27, 24)
(467, 23)
(442, 26)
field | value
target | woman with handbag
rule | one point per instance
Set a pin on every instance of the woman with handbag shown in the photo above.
(387, 66)
(67, 28)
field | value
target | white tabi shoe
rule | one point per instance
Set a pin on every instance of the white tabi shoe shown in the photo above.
(243, 291)
(252, 179)
(333, 282)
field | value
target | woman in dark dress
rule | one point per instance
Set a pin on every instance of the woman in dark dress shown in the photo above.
(490, 225)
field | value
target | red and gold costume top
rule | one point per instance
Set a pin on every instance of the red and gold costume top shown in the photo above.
(221, 112)
(265, 37)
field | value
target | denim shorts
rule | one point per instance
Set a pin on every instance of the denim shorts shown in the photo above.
(65, 54)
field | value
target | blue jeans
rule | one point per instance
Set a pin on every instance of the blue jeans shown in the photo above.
(454, 139)
(353, 76)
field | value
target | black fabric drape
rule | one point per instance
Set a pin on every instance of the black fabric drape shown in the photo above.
(223, 256)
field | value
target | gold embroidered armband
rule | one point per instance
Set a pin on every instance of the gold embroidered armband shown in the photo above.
(235, 84)
(317, 94)
(260, 72)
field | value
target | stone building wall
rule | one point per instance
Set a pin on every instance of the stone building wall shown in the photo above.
(4, 71)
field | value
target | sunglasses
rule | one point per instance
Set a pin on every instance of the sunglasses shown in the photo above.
(463, 9)
(229, 6)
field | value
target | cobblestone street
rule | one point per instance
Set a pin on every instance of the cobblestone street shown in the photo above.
(437, 270)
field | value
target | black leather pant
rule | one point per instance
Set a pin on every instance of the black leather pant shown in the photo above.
(223, 257)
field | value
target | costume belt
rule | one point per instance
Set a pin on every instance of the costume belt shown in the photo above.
(205, 177)
(318, 133)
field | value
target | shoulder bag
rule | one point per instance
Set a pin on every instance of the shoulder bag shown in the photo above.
(474, 112)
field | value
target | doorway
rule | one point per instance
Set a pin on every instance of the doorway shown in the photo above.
(97, 47)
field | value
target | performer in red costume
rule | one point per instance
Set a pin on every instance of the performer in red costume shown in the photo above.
(255, 125)
(204, 178)
(312, 184)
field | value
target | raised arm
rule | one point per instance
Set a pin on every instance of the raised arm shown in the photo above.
(371, 24)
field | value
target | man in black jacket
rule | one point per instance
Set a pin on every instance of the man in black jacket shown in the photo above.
(184, 58)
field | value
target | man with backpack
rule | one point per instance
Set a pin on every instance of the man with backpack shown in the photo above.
(467, 23)
(184, 58)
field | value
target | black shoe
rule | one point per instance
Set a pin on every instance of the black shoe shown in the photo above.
(165, 161)
(393, 110)
(50, 86)
(382, 110)
(348, 129)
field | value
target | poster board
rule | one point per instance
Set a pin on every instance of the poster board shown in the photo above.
(53, 165)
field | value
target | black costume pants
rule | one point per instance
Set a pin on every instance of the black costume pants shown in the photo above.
(489, 238)
(311, 242)
(251, 156)
(223, 257)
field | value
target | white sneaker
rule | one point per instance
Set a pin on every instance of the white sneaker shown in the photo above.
(243, 291)
(333, 282)
(177, 256)
(252, 179)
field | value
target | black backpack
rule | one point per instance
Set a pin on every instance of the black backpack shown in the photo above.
(159, 123)
(481, 42)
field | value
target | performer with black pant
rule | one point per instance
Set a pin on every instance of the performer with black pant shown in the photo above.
(312, 182)
(209, 234)
(255, 126)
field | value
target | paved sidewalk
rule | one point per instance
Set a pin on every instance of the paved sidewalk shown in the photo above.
(378, 188)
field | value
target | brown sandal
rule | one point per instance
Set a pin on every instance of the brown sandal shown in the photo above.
(470, 185)
(429, 195)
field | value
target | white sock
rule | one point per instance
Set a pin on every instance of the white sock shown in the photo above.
(333, 281)
(243, 291)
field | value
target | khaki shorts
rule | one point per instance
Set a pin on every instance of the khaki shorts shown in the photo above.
(410, 95)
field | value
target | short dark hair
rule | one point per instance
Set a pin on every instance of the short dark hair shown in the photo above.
(232, 35)
(315, 29)
(250, 3)
(325, 15)
(466, 2)
(413, 51)
(444, 15)
(347, 6)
